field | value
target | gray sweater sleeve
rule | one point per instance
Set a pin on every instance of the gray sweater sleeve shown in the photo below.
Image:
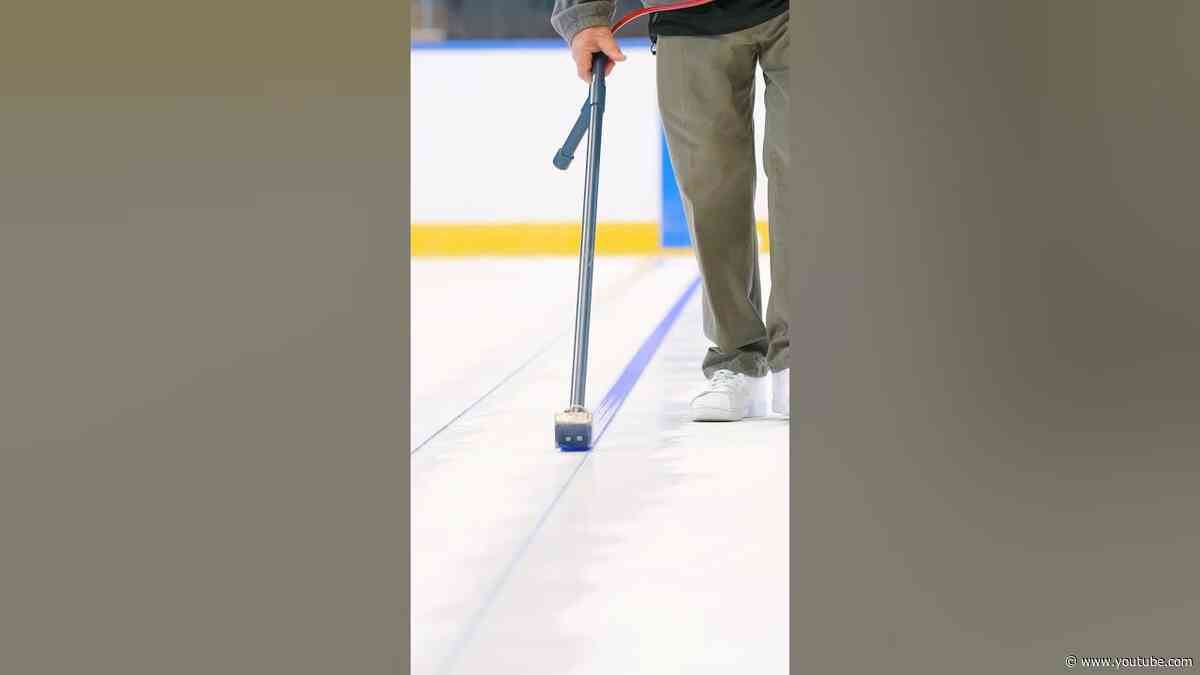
(571, 16)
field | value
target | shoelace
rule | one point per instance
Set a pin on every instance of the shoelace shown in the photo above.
(720, 379)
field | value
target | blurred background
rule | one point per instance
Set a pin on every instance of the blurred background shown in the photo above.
(494, 94)
(465, 19)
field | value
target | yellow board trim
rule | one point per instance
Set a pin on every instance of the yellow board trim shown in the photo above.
(541, 239)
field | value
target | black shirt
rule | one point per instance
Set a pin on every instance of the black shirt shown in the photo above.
(716, 18)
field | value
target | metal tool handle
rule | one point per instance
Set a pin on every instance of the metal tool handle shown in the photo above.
(587, 242)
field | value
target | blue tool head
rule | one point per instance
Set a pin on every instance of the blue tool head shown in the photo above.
(573, 429)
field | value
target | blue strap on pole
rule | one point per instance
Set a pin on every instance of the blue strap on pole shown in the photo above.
(562, 159)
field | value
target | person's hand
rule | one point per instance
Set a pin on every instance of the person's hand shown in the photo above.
(589, 41)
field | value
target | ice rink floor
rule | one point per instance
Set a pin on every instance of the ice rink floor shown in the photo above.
(663, 550)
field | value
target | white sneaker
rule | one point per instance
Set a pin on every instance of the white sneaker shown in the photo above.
(730, 397)
(781, 387)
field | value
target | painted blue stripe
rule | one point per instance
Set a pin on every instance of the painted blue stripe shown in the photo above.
(517, 43)
(675, 233)
(611, 403)
(605, 413)
(627, 283)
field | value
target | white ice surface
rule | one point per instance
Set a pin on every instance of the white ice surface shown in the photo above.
(664, 550)
(476, 320)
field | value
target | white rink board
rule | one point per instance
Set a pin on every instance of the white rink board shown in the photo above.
(487, 122)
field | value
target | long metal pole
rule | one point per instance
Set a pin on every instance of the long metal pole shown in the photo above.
(587, 242)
